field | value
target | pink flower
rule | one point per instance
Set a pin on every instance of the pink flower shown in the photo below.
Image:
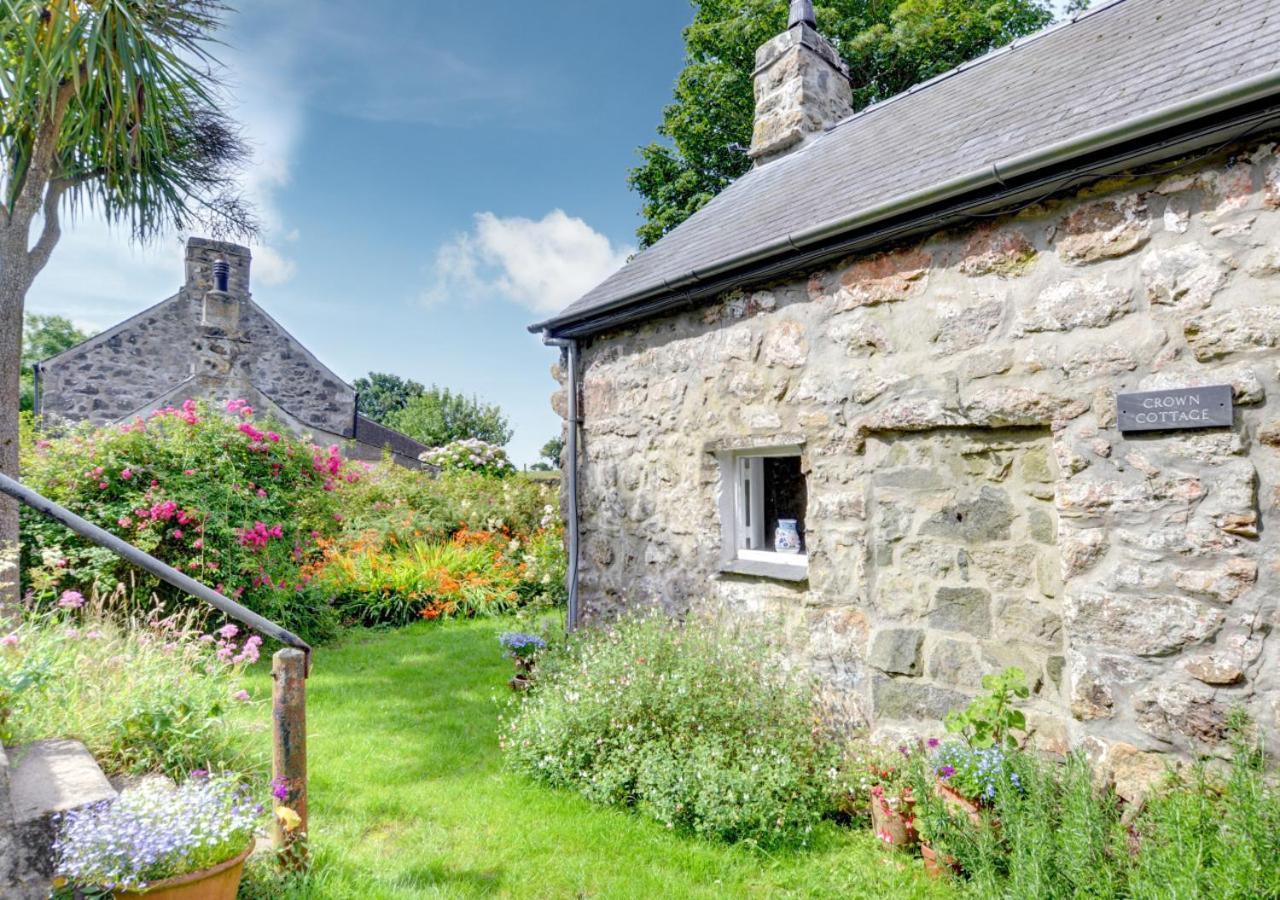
(198, 544)
(94, 635)
(189, 472)
(71, 600)
(177, 534)
(102, 485)
(124, 521)
(126, 474)
(273, 437)
(9, 640)
(73, 633)
(228, 631)
(241, 696)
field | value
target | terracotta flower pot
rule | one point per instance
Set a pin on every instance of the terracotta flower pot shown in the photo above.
(934, 865)
(958, 802)
(220, 882)
(894, 826)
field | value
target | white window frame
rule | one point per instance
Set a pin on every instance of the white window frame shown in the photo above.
(742, 525)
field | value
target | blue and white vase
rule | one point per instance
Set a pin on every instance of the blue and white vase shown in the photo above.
(786, 539)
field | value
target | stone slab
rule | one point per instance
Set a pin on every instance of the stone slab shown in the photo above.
(54, 776)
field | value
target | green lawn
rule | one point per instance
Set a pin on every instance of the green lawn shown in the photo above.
(409, 797)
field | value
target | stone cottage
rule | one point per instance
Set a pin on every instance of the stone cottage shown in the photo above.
(1005, 348)
(210, 341)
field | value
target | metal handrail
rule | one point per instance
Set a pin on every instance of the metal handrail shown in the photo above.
(164, 572)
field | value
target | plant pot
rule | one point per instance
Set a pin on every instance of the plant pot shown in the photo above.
(895, 827)
(520, 682)
(220, 882)
(934, 865)
(958, 802)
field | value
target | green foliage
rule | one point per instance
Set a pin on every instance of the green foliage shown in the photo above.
(889, 47)
(230, 502)
(1050, 830)
(990, 719)
(701, 730)
(552, 451)
(115, 102)
(144, 695)
(438, 416)
(43, 337)
(1209, 836)
(380, 395)
(293, 531)
(471, 456)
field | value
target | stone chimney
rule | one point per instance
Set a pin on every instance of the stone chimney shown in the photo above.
(206, 261)
(802, 87)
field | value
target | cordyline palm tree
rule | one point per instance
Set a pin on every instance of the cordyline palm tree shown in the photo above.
(108, 106)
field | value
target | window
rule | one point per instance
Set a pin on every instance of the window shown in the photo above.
(762, 513)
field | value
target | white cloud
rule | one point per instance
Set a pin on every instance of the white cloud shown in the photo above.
(544, 265)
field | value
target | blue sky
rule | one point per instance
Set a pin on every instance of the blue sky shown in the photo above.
(433, 176)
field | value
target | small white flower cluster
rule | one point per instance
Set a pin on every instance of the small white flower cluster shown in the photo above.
(471, 455)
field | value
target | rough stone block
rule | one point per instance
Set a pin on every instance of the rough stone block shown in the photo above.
(1186, 276)
(1104, 229)
(986, 516)
(1218, 334)
(1144, 626)
(896, 698)
(1075, 303)
(897, 651)
(964, 609)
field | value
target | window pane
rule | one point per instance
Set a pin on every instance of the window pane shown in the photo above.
(784, 496)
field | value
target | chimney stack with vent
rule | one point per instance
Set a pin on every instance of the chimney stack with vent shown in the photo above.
(802, 87)
(218, 281)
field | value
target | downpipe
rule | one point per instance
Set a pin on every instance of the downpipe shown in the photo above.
(571, 478)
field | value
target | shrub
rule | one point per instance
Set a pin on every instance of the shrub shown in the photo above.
(470, 455)
(1060, 834)
(704, 731)
(225, 499)
(468, 575)
(152, 694)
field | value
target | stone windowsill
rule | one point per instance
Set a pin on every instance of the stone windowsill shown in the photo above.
(795, 568)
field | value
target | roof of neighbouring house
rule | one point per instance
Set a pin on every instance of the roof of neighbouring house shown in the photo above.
(1125, 72)
(377, 435)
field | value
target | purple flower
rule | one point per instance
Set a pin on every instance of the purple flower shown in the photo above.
(947, 771)
(904, 750)
(71, 600)
(279, 789)
(933, 743)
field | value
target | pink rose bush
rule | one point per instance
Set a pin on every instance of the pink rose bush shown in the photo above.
(217, 494)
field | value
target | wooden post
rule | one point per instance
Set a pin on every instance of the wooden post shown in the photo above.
(289, 753)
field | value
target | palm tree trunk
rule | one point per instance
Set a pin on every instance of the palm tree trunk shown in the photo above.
(14, 282)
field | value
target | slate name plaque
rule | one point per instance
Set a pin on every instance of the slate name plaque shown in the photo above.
(1176, 409)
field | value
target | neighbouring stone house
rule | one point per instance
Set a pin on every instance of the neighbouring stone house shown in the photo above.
(908, 329)
(211, 341)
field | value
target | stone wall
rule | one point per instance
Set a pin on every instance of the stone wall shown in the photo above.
(198, 343)
(971, 502)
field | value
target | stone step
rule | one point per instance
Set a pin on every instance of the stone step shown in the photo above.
(44, 778)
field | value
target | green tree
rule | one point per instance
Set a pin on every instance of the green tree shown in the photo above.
(43, 337)
(552, 450)
(381, 395)
(438, 416)
(889, 45)
(107, 106)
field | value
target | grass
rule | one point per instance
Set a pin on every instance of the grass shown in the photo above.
(409, 798)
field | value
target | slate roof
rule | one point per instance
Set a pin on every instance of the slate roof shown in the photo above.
(1112, 65)
(380, 436)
